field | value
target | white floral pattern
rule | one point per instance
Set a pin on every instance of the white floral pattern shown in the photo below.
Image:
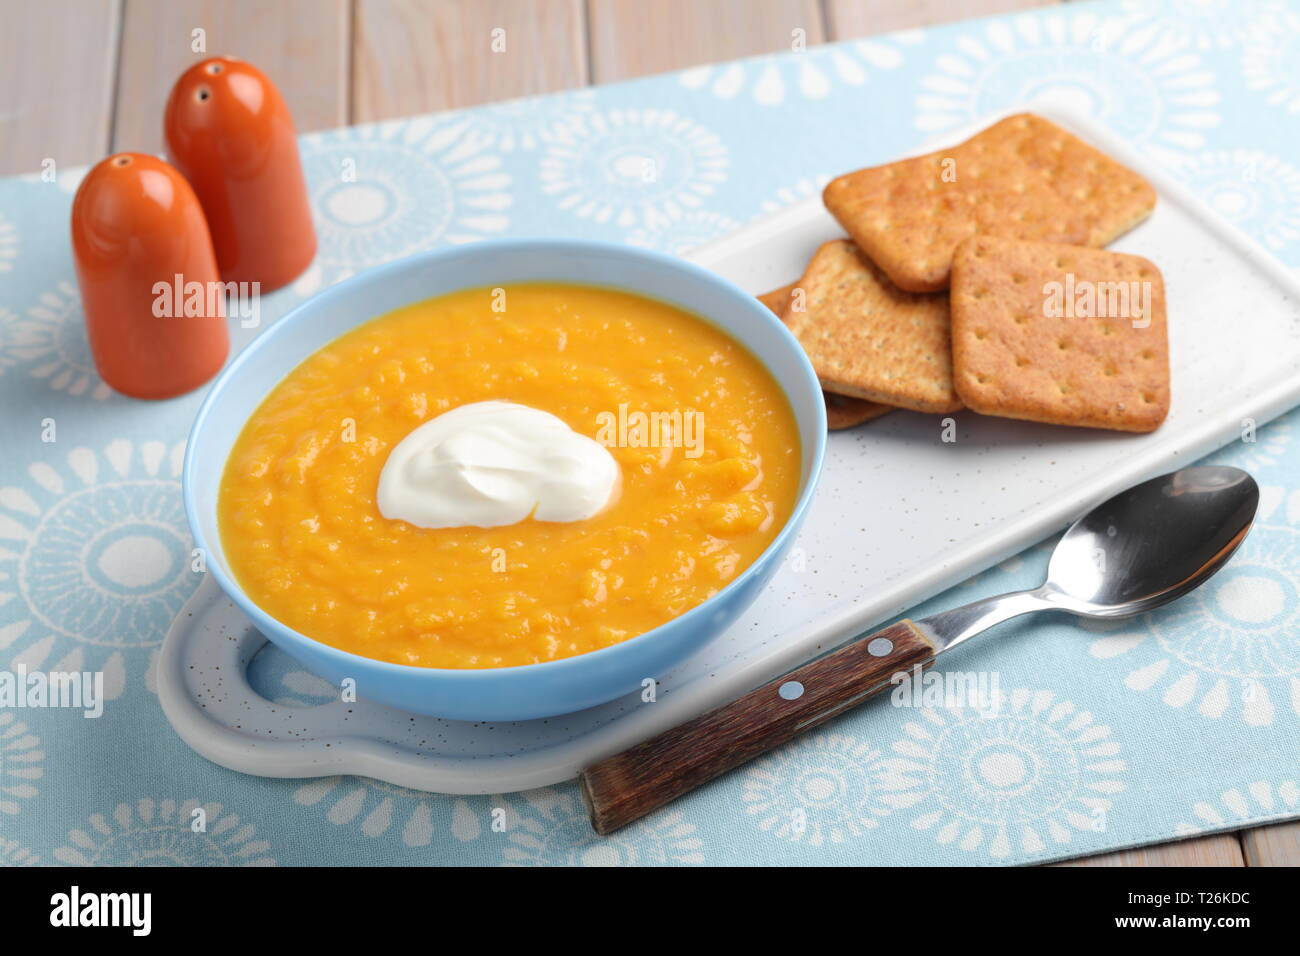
(51, 342)
(633, 167)
(8, 320)
(1029, 777)
(8, 244)
(385, 191)
(1257, 191)
(21, 759)
(826, 788)
(153, 832)
(682, 232)
(1146, 87)
(797, 192)
(1202, 24)
(526, 124)
(94, 561)
(1237, 806)
(549, 827)
(771, 80)
(13, 853)
(379, 809)
(1269, 53)
(1228, 649)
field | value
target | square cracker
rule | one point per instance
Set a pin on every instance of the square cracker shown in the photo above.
(1028, 344)
(1022, 178)
(841, 411)
(869, 339)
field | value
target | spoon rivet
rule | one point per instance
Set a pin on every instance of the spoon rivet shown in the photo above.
(790, 690)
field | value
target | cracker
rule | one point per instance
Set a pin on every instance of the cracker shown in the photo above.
(867, 338)
(1027, 344)
(778, 299)
(1022, 178)
(841, 411)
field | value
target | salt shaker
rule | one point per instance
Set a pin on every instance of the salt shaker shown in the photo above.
(150, 289)
(229, 131)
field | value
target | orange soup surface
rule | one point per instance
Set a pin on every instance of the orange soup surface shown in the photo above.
(697, 505)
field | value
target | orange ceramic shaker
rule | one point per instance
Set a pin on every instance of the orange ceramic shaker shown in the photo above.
(139, 238)
(229, 131)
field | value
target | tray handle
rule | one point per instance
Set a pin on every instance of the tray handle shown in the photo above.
(627, 786)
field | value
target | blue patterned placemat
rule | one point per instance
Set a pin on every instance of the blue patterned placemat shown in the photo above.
(1181, 722)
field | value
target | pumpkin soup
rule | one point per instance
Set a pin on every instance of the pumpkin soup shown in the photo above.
(706, 448)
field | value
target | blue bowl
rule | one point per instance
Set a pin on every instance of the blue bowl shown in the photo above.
(534, 690)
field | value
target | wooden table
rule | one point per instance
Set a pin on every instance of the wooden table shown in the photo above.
(82, 78)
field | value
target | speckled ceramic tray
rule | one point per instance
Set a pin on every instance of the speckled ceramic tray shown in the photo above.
(900, 515)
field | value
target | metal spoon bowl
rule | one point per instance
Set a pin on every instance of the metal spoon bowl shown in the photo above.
(1155, 542)
(1132, 553)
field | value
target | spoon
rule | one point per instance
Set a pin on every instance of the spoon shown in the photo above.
(1133, 553)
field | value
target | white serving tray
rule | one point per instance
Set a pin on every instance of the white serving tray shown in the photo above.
(900, 516)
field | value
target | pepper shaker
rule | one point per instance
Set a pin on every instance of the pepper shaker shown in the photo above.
(229, 131)
(153, 301)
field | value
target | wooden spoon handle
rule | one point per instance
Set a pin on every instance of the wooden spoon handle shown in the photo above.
(627, 786)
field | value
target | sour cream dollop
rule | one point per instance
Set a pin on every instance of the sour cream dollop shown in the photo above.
(495, 463)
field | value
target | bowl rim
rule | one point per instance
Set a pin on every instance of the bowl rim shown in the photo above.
(282, 327)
